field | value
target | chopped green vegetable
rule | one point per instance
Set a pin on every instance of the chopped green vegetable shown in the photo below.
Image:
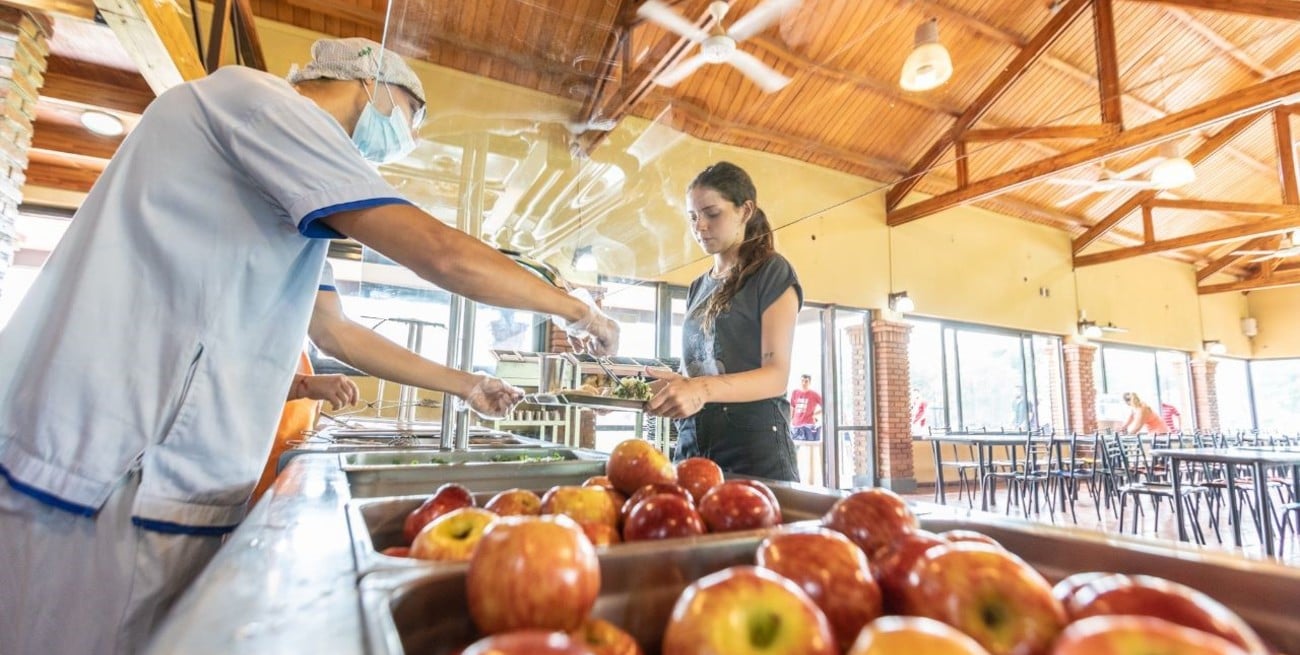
(632, 388)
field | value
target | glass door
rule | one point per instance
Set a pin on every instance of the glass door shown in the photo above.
(851, 407)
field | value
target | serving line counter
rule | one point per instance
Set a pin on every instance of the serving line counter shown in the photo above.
(288, 580)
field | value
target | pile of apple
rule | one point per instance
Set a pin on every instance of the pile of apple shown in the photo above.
(867, 581)
(642, 496)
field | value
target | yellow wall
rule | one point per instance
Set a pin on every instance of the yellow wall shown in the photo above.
(1278, 314)
(1221, 315)
(1154, 299)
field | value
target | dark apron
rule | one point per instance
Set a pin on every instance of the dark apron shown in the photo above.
(746, 438)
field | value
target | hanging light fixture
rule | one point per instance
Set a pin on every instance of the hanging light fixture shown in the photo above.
(1214, 347)
(1173, 170)
(584, 259)
(102, 123)
(901, 302)
(929, 65)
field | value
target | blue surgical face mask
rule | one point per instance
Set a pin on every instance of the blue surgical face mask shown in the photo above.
(383, 139)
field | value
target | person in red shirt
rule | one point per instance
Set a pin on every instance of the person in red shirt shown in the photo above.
(806, 406)
(1171, 416)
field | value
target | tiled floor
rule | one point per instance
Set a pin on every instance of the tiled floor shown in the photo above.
(1166, 528)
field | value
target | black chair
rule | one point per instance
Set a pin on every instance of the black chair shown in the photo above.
(1131, 458)
(1081, 465)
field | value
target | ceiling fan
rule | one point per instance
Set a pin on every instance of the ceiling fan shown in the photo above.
(1285, 248)
(1106, 181)
(719, 47)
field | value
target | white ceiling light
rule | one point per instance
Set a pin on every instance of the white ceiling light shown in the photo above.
(1173, 170)
(929, 65)
(901, 302)
(584, 260)
(102, 123)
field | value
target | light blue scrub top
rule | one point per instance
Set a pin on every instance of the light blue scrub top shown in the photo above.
(164, 330)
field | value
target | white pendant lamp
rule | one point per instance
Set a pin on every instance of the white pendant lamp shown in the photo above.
(1173, 170)
(929, 65)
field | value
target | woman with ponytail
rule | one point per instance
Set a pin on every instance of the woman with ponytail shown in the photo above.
(729, 398)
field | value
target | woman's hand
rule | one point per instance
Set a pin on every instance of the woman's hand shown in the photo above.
(338, 390)
(675, 396)
(492, 398)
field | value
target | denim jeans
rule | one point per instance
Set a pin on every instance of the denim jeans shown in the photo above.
(745, 438)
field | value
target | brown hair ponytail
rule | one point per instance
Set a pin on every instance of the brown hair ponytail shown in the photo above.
(734, 184)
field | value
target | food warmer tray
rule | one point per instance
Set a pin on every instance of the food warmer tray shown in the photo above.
(410, 472)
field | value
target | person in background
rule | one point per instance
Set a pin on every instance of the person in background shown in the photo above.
(1172, 418)
(1141, 417)
(807, 409)
(142, 381)
(737, 336)
(920, 413)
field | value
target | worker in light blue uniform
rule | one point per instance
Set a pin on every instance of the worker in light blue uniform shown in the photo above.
(144, 371)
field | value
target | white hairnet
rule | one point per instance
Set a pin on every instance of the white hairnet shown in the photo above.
(357, 59)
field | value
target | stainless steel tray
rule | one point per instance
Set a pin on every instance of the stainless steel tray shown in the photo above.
(416, 611)
(411, 472)
(575, 399)
(376, 523)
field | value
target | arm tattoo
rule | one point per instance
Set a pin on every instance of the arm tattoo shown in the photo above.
(768, 356)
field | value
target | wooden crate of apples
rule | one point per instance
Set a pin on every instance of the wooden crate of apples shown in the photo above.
(868, 580)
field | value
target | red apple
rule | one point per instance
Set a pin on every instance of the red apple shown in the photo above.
(871, 518)
(954, 536)
(767, 493)
(598, 481)
(396, 551)
(515, 502)
(601, 535)
(532, 572)
(452, 536)
(698, 475)
(1065, 589)
(832, 571)
(635, 463)
(987, 593)
(731, 506)
(663, 516)
(604, 638)
(913, 635)
(893, 562)
(746, 610)
(528, 642)
(447, 497)
(1144, 595)
(1138, 635)
(582, 504)
(651, 490)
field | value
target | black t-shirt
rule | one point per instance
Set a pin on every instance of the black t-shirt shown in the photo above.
(734, 345)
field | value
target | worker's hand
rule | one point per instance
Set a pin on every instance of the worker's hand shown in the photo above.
(595, 332)
(492, 398)
(338, 390)
(674, 396)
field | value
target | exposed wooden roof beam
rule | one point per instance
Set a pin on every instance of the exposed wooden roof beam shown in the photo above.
(1038, 45)
(1283, 9)
(1256, 228)
(1230, 259)
(636, 85)
(154, 35)
(1285, 279)
(1221, 206)
(1066, 68)
(1103, 19)
(62, 171)
(1044, 132)
(1249, 100)
(1202, 152)
(615, 42)
(84, 9)
(247, 41)
(1287, 162)
(217, 34)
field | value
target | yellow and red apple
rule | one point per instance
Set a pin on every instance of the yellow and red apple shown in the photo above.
(834, 573)
(913, 635)
(515, 502)
(453, 536)
(635, 463)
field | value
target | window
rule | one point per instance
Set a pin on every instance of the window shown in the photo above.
(967, 378)
(1277, 409)
(503, 329)
(1232, 389)
(1161, 379)
(1175, 391)
(633, 305)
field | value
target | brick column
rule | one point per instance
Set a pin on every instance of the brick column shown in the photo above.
(1080, 387)
(1205, 395)
(893, 405)
(23, 53)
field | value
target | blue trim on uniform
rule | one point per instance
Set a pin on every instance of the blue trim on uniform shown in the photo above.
(326, 287)
(167, 527)
(47, 498)
(310, 228)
